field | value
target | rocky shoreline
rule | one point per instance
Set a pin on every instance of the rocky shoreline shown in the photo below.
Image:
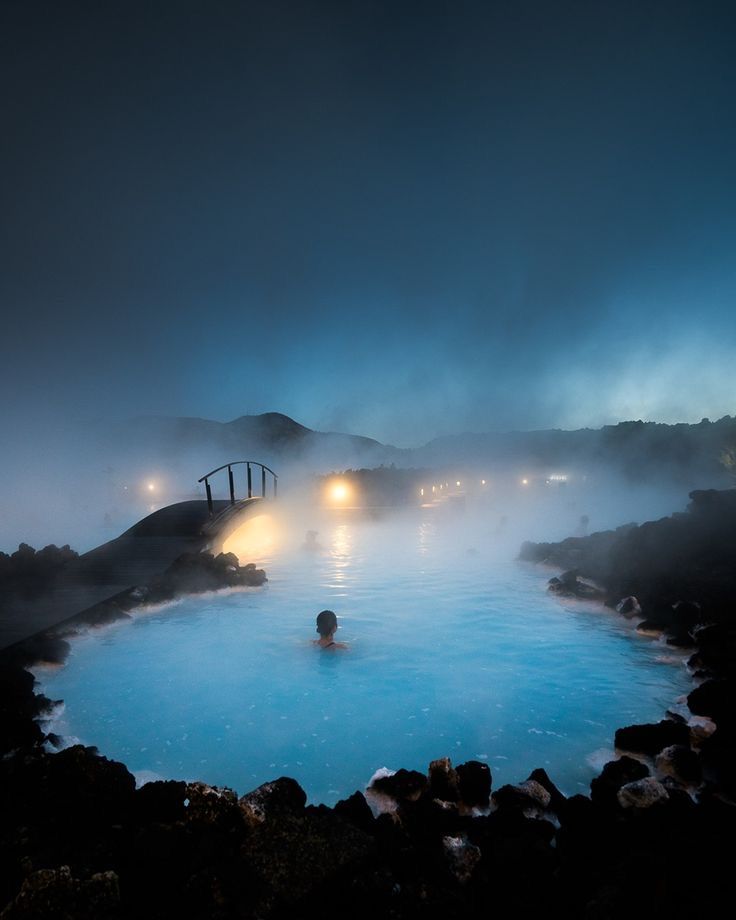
(652, 839)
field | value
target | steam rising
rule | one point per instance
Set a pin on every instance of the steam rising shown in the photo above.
(86, 484)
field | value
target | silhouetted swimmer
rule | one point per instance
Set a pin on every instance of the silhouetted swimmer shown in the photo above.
(310, 541)
(582, 530)
(327, 627)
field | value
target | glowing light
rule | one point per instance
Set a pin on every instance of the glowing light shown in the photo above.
(339, 491)
(482, 482)
(421, 491)
(457, 483)
(525, 482)
(151, 486)
(253, 540)
(557, 478)
(433, 488)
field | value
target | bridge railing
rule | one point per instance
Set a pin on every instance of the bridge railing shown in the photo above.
(231, 480)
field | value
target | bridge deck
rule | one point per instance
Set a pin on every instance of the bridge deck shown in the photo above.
(133, 558)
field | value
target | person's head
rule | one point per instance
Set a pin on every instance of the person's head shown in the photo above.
(326, 623)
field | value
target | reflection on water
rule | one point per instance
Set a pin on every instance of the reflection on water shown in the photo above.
(451, 654)
(340, 557)
(425, 533)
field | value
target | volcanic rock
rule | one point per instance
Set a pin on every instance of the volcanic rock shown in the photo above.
(161, 801)
(290, 855)
(444, 782)
(523, 796)
(402, 786)
(650, 739)
(56, 893)
(557, 799)
(615, 774)
(681, 763)
(629, 607)
(356, 810)
(716, 699)
(283, 796)
(212, 805)
(642, 793)
(193, 573)
(570, 585)
(462, 857)
(474, 779)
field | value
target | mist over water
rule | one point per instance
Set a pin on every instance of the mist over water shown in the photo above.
(85, 483)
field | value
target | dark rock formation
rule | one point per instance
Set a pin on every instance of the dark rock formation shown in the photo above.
(29, 572)
(615, 774)
(355, 810)
(629, 607)
(462, 857)
(642, 793)
(529, 795)
(651, 739)
(474, 783)
(715, 699)
(193, 573)
(402, 786)
(569, 584)
(681, 763)
(444, 782)
(268, 801)
(679, 568)
(56, 893)
(557, 800)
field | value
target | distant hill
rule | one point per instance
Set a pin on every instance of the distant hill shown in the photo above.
(271, 438)
(640, 451)
(703, 453)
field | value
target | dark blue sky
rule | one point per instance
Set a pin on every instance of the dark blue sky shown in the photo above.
(399, 219)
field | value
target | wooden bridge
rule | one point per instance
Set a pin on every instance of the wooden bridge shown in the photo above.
(140, 553)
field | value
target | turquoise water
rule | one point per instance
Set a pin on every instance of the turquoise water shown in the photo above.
(454, 650)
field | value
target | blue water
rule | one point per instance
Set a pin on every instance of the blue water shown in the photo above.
(453, 651)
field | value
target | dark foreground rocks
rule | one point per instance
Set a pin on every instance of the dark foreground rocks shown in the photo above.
(78, 840)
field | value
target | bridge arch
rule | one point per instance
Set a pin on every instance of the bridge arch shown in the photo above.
(249, 464)
(243, 521)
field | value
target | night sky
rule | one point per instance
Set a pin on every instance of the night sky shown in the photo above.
(391, 218)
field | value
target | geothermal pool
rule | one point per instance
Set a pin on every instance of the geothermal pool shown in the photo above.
(455, 650)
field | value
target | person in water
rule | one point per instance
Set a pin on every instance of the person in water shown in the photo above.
(327, 627)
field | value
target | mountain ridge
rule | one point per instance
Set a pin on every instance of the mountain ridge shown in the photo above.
(636, 448)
